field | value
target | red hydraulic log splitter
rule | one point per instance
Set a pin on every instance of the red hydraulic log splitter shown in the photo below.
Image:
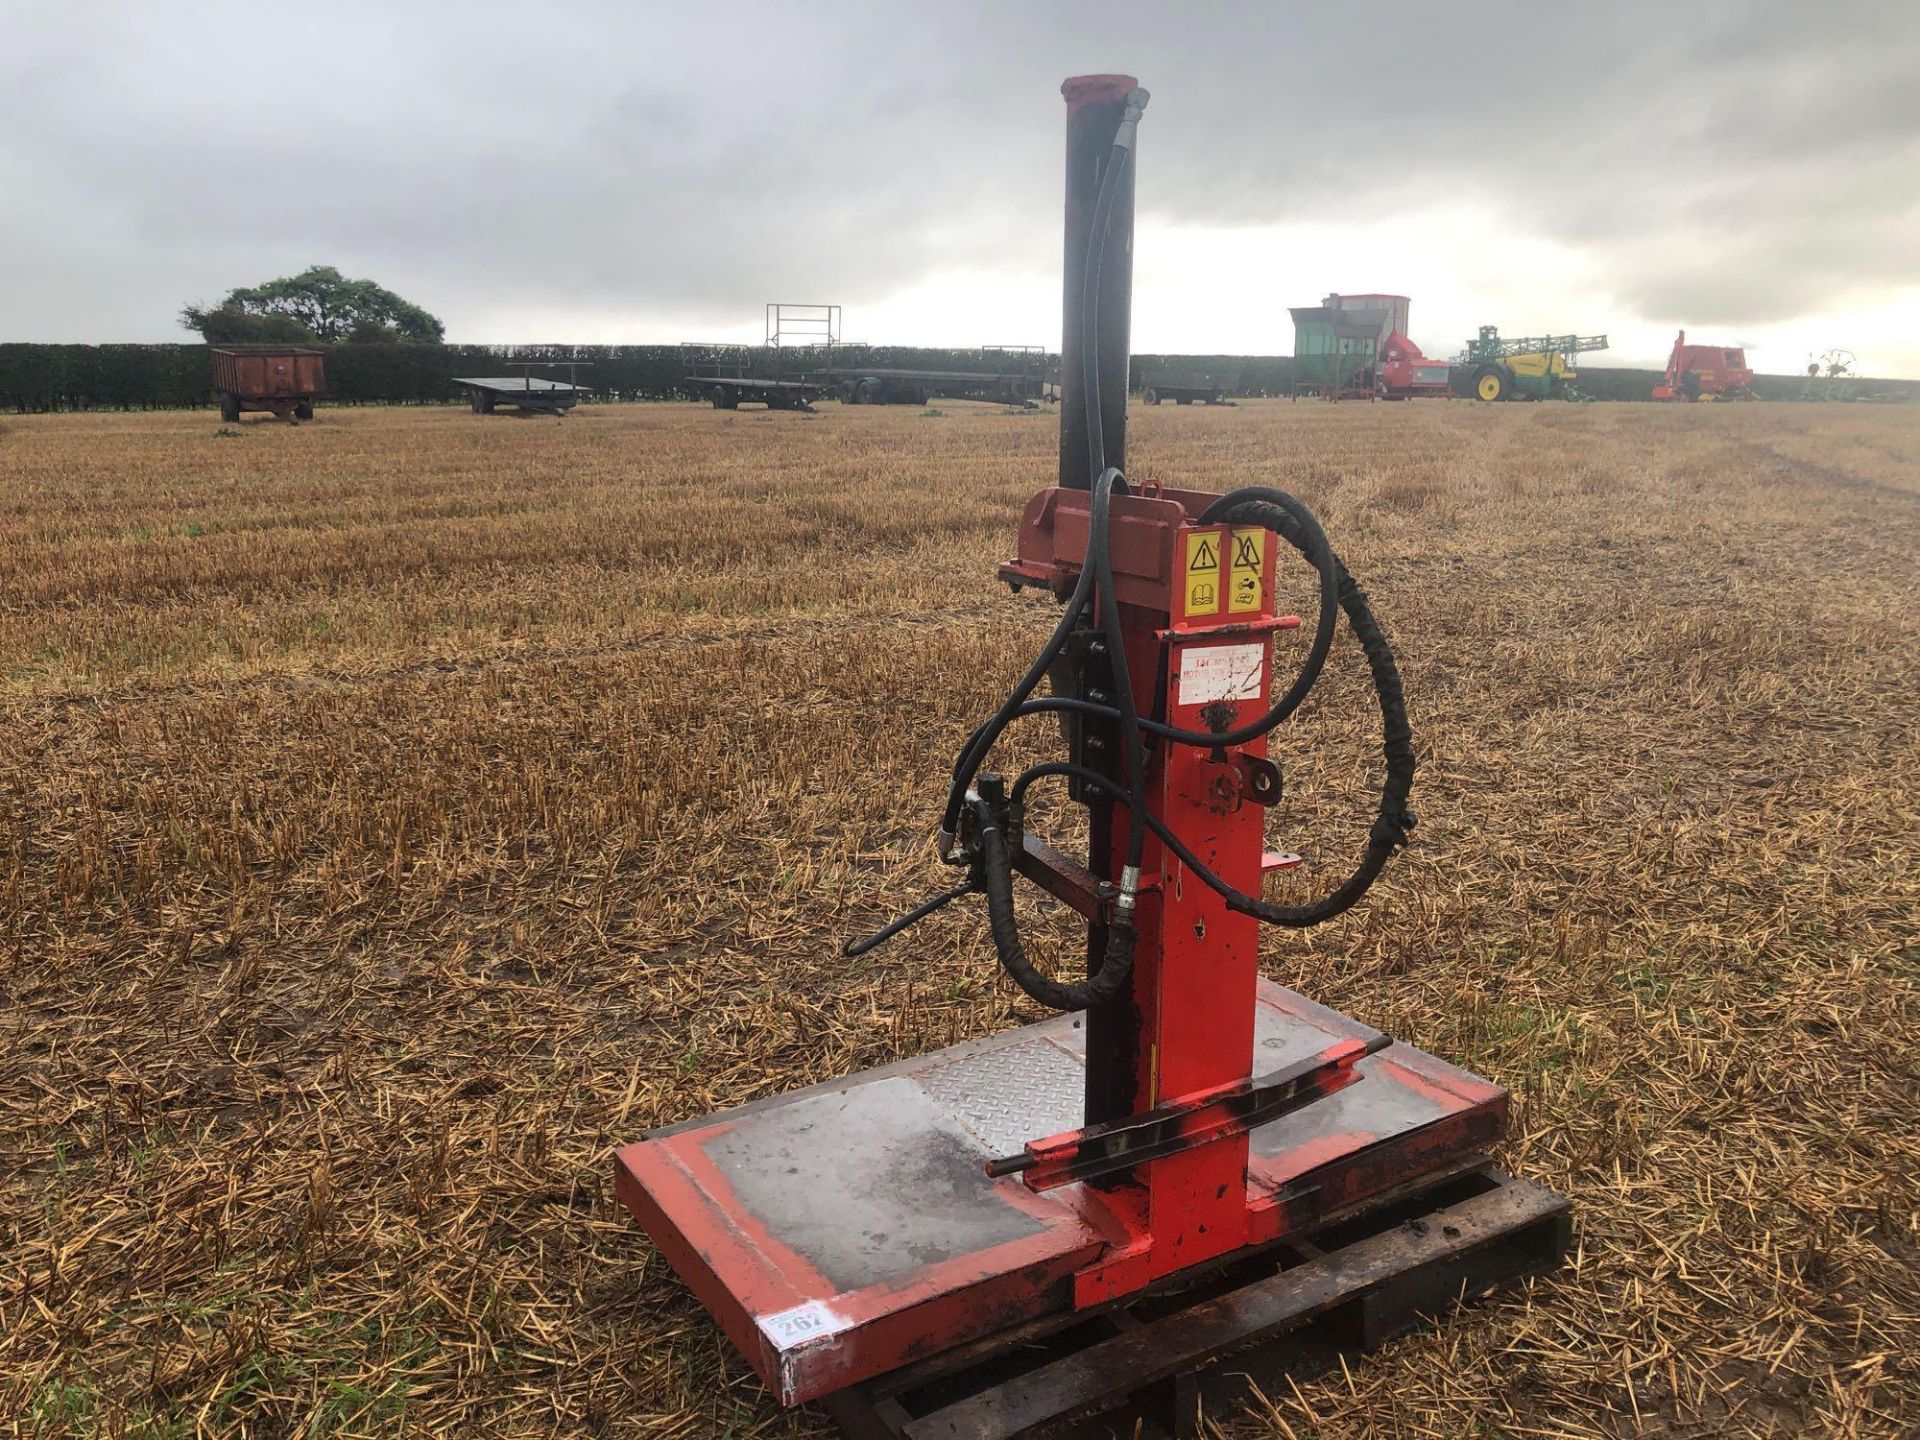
(1183, 1112)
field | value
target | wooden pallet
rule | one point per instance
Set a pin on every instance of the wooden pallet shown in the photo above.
(1150, 1365)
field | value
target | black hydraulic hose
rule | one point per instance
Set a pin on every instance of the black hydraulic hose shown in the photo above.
(974, 751)
(1277, 511)
(1118, 159)
(995, 863)
(1393, 820)
(1133, 747)
(996, 875)
(967, 764)
(1099, 550)
(1298, 526)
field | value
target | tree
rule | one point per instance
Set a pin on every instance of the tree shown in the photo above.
(230, 325)
(319, 304)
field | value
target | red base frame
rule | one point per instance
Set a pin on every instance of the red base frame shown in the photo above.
(846, 1229)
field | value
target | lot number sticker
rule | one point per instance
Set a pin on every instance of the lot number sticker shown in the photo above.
(1221, 672)
(799, 1325)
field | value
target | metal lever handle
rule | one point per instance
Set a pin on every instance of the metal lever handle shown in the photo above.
(914, 916)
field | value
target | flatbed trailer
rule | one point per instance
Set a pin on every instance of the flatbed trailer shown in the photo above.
(729, 392)
(1184, 390)
(485, 393)
(858, 386)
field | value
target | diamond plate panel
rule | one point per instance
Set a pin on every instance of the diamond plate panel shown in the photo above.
(1010, 1094)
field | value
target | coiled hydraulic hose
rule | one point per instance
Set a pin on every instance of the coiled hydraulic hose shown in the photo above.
(1392, 823)
(1277, 511)
(996, 878)
(1389, 832)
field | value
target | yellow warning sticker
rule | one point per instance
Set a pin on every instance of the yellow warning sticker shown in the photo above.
(1203, 574)
(1249, 556)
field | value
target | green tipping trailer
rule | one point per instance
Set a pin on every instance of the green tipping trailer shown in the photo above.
(1336, 345)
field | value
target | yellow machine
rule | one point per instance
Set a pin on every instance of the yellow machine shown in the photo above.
(1537, 367)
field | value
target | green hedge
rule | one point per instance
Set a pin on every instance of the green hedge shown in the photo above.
(165, 377)
(116, 377)
(145, 377)
(150, 377)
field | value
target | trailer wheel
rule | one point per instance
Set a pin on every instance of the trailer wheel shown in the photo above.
(1490, 384)
(723, 399)
(304, 410)
(229, 407)
(1150, 395)
(864, 392)
(1183, 399)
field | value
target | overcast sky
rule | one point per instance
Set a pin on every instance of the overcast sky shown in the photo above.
(652, 172)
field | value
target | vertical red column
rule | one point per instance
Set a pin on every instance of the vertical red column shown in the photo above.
(1187, 1017)
(1199, 1010)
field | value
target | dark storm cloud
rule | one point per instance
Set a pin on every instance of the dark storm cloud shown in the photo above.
(1727, 164)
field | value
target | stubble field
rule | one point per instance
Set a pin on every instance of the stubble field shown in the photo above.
(399, 812)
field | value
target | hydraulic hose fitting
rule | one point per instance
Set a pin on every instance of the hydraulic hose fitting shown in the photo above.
(988, 806)
(992, 791)
(1123, 137)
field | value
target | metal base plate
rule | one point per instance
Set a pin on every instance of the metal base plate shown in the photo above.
(843, 1230)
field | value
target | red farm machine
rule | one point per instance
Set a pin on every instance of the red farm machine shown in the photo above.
(1705, 372)
(1406, 372)
(1190, 1176)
